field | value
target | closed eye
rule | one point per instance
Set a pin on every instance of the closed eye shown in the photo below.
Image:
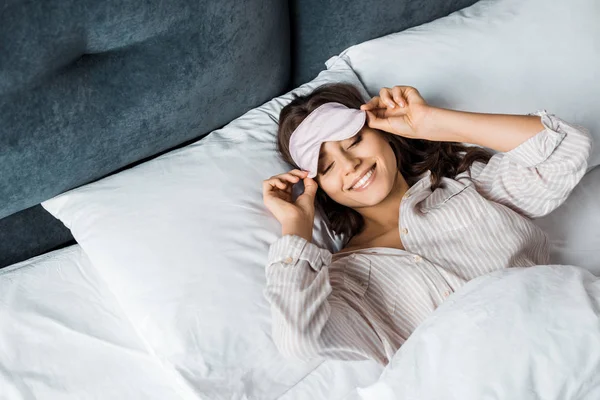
(358, 139)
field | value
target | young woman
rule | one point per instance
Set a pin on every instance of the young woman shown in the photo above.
(423, 212)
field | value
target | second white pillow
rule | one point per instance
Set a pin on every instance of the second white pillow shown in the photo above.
(497, 56)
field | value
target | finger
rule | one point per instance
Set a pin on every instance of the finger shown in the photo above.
(384, 113)
(270, 186)
(411, 94)
(294, 177)
(299, 173)
(310, 187)
(373, 121)
(297, 170)
(281, 181)
(371, 104)
(276, 183)
(275, 197)
(289, 177)
(397, 95)
(386, 97)
(279, 184)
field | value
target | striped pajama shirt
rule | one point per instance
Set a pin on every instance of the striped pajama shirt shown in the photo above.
(364, 304)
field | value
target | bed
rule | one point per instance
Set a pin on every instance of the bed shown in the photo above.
(133, 233)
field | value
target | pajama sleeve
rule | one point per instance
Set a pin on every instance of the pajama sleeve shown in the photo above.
(309, 321)
(537, 176)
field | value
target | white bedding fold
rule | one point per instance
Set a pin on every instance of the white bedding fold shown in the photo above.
(519, 333)
(63, 335)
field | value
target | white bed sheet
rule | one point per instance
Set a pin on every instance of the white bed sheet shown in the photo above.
(63, 336)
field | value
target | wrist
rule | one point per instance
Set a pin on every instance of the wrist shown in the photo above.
(437, 125)
(425, 124)
(298, 229)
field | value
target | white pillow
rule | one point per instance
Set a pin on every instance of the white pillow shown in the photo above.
(182, 240)
(497, 56)
(574, 227)
(63, 335)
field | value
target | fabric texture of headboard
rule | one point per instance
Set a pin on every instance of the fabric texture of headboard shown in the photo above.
(90, 88)
(321, 29)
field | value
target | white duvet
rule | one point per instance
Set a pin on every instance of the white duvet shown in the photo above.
(522, 333)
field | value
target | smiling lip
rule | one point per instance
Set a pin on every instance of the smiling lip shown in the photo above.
(368, 183)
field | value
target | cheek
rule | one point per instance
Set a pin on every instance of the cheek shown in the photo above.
(333, 190)
(390, 159)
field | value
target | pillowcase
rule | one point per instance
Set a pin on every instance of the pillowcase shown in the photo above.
(64, 335)
(574, 227)
(497, 56)
(182, 240)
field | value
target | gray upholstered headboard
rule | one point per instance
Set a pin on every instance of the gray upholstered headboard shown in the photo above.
(89, 88)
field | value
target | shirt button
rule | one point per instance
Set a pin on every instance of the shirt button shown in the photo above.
(407, 195)
(446, 293)
(417, 258)
(404, 231)
(288, 260)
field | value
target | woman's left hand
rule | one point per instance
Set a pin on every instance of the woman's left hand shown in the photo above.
(400, 110)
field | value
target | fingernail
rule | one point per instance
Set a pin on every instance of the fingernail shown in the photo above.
(391, 104)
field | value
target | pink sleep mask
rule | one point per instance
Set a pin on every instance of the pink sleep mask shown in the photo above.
(329, 122)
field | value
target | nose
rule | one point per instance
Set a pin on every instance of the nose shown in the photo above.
(349, 164)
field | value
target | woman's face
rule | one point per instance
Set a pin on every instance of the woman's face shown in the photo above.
(345, 162)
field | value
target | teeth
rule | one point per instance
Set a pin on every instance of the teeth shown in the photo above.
(364, 180)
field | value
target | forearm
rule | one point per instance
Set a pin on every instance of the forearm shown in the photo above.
(500, 132)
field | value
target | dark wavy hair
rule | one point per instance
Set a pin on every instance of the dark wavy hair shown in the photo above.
(415, 156)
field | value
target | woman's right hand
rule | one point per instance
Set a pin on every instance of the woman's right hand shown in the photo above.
(277, 196)
(400, 111)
